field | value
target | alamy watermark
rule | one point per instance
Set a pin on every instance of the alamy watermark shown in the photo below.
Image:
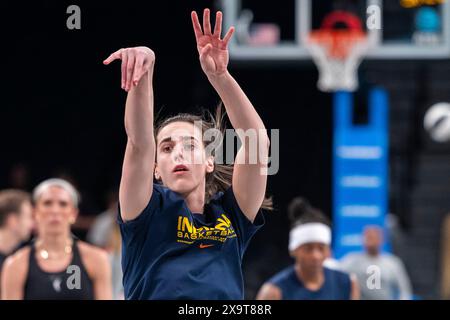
(74, 280)
(73, 22)
(254, 146)
(373, 281)
(373, 21)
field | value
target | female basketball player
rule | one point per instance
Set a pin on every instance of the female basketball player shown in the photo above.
(309, 245)
(56, 266)
(184, 237)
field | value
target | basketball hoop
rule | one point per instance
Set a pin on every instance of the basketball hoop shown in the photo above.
(338, 52)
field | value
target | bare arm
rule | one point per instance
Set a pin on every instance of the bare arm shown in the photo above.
(137, 171)
(103, 278)
(13, 275)
(249, 169)
(98, 267)
(355, 293)
(269, 292)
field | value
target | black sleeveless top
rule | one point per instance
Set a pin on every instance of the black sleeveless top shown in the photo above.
(2, 259)
(73, 283)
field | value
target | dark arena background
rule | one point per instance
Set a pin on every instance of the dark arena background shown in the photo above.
(62, 115)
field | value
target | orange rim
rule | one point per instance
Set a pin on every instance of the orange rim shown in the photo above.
(338, 43)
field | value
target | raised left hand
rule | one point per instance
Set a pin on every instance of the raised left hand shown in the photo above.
(213, 51)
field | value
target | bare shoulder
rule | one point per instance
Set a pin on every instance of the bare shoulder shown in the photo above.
(92, 253)
(16, 265)
(14, 274)
(95, 260)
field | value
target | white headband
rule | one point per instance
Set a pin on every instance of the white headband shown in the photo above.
(307, 233)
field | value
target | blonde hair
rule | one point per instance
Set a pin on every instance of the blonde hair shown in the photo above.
(59, 183)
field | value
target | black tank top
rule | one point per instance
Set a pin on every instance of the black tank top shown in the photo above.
(2, 259)
(41, 285)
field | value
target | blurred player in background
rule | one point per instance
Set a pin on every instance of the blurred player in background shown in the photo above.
(16, 221)
(393, 283)
(185, 237)
(105, 234)
(308, 278)
(56, 265)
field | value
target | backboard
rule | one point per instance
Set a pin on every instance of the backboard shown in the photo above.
(399, 29)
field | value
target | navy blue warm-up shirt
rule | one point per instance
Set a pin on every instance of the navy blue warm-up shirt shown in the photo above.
(168, 252)
(337, 286)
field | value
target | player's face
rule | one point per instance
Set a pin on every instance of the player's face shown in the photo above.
(373, 240)
(181, 161)
(312, 255)
(55, 211)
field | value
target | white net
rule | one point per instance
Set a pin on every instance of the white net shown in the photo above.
(338, 72)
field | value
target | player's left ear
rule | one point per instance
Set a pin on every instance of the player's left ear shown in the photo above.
(73, 216)
(209, 164)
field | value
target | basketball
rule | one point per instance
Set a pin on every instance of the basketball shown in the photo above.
(437, 122)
